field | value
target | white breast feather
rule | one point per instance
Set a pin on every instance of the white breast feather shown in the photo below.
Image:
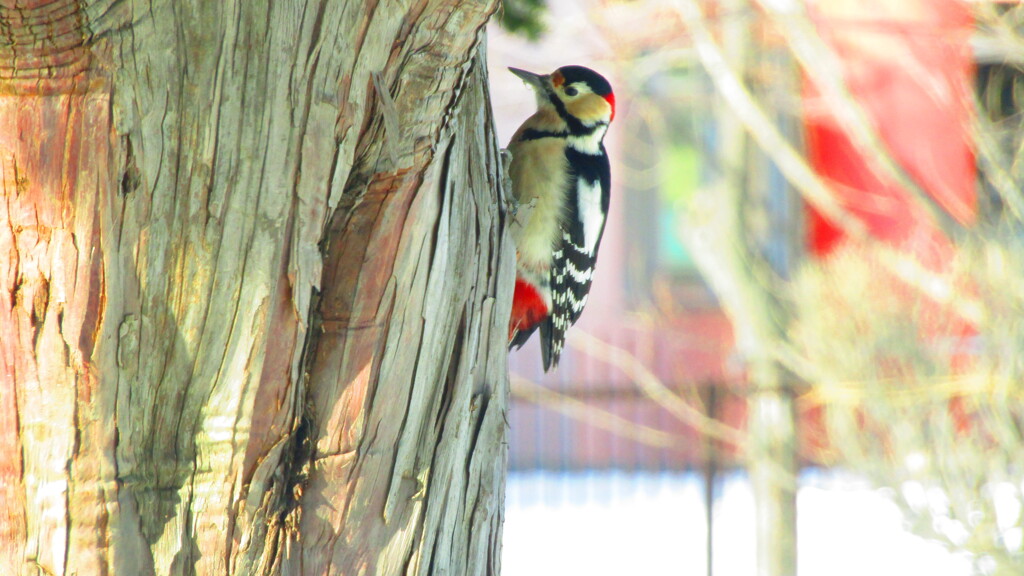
(589, 143)
(590, 213)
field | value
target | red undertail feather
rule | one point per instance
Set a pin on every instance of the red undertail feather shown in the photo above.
(528, 308)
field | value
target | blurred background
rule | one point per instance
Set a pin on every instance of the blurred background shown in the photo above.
(803, 350)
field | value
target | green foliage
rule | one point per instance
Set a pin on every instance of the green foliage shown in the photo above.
(680, 175)
(523, 17)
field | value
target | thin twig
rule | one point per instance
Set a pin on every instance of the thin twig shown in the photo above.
(587, 413)
(654, 388)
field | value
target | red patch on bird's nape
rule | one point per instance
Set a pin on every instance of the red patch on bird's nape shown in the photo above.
(610, 98)
(528, 308)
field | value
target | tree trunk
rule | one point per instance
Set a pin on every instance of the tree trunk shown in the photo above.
(729, 229)
(253, 304)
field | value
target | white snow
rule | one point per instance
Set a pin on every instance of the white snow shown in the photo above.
(613, 523)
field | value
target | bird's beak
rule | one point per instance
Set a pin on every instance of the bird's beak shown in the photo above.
(536, 81)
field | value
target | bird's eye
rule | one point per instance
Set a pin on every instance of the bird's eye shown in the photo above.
(570, 91)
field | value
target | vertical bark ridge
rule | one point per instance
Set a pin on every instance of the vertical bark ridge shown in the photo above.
(425, 464)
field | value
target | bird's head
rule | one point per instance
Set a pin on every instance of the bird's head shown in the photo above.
(579, 91)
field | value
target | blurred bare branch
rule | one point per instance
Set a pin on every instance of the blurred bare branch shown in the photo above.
(760, 127)
(590, 414)
(654, 388)
(936, 416)
(996, 167)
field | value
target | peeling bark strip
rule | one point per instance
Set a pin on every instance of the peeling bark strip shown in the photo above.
(179, 179)
(53, 112)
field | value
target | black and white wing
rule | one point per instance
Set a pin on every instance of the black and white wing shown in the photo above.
(573, 260)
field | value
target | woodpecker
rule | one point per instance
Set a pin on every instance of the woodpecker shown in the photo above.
(560, 166)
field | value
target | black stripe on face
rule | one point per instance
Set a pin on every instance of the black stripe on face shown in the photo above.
(576, 128)
(534, 134)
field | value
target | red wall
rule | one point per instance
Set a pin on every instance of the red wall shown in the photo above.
(908, 63)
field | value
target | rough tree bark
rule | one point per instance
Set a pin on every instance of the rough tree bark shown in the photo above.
(245, 328)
